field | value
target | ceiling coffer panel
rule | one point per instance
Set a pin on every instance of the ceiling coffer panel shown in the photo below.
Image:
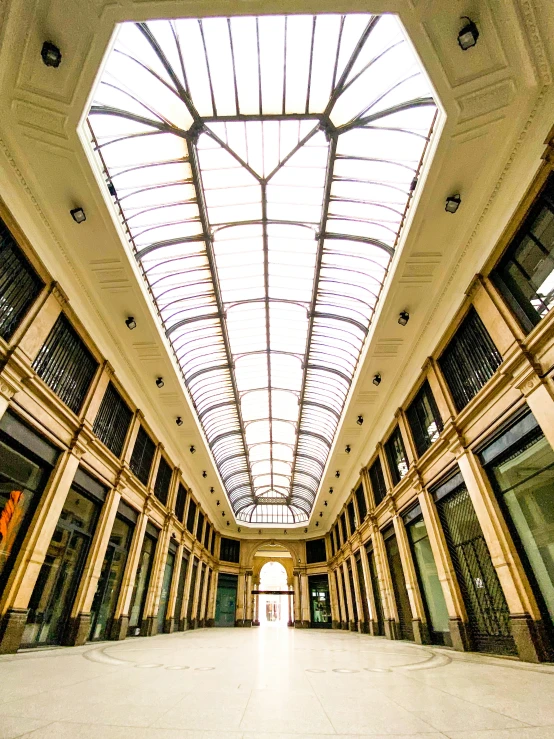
(263, 168)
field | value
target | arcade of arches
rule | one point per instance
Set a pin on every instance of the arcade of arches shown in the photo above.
(276, 369)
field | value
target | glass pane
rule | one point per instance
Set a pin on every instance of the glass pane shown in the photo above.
(428, 576)
(526, 481)
(141, 584)
(164, 596)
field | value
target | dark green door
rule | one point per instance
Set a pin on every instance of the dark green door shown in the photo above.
(226, 601)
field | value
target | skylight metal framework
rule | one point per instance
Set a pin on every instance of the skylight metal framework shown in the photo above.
(263, 167)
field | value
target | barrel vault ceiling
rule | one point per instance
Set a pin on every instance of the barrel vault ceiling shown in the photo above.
(285, 300)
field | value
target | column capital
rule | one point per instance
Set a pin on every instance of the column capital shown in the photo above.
(474, 285)
(58, 292)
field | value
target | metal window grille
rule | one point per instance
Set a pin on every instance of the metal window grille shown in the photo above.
(230, 550)
(344, 527)
(212, 543)
(396, 456)
(191, 515)
(143, 455)
(332, 542)
(469, 360)
(65, 364)
(424, 419)
(19, 284)
(360, 499)
(316, 551)
(199, 526)
(524, 274)
(180, 503)
(487, 610)
(338, 536)
(113, 420)
(207, 535)
(351, 516)
(377, 480)
(163, 480)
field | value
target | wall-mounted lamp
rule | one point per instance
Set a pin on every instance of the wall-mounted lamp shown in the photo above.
(228, 523)
(348, 448)
(78, 215)
(51, 55)
(321, 514)
(179, 421)
(305, 531)
(285, 532)
(130, 323)
(317, 523)
(160, 382)
(204, 473)
(239, 529)
(192, 448)
(337, 473)
(223, 514)
(331, 491)
(217, 502)
(403, 317)
(452, 203)
(325, 503)
(377, 379)
(360, 420)
(468, 35)
(212, 490)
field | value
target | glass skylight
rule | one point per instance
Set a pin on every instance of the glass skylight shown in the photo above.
(263, 167)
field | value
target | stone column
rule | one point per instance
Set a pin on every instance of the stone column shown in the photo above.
(256, 601)
(333, 597)
(525, 616)
(352, 625)
(204, 598)
(248, 615)
(187, 594)
(373, 625)
(305, 600)
(22, 579)
(43, 322)
(419, 617)
(459, 632)
(297, 609)
(120, 623)
(172, 618)
(363, 628)
(241, 588)
(539, 395)
(210, 616)
(80, 619)
(388, 601)
(95, 395)
(149, 626)
(342, 600)
(291, 605)
(9, 385)
(197, 594)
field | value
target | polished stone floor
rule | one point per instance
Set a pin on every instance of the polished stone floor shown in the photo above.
(270, 682)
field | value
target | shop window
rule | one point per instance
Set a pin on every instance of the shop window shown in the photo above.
(143, 455)
(199, 526)
(229, 550)
(424, 419)
(65, 364)
(191, 515)
(524, 479)
(316, 551)
(344, 528)
(360, 500)
(525, 274)
(163, 481)
(396, 456)
(332, 543)
(470, 360)
(180, 503)
(207, 535)
(20, 285)
(21, 483)
(140, 586)
(212, 543)
(112, 420)
(351, 516)
(377, 480)
(320, 602)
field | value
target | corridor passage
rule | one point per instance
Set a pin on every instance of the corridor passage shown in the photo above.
(267, 682)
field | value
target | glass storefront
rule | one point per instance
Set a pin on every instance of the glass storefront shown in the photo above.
(399, 586)
(140, 588)
(111, 575)
(320, 602)
(435, 605)
(178, 615)
(378, 617)
(21, 483)
(59, 577)
(166, 587)
(523, 476)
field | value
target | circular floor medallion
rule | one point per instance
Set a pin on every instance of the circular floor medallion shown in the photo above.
(342, 670)
(149, 665)
(203, 669)
(313, 669)
(178, 667)
(376, 669)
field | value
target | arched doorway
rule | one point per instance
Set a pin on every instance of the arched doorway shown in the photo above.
(273, 603)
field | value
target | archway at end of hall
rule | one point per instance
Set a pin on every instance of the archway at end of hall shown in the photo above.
(273, 603)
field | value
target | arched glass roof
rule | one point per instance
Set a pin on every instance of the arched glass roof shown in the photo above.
(263, 168)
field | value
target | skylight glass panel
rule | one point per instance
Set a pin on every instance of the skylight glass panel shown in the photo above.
(263, 168)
